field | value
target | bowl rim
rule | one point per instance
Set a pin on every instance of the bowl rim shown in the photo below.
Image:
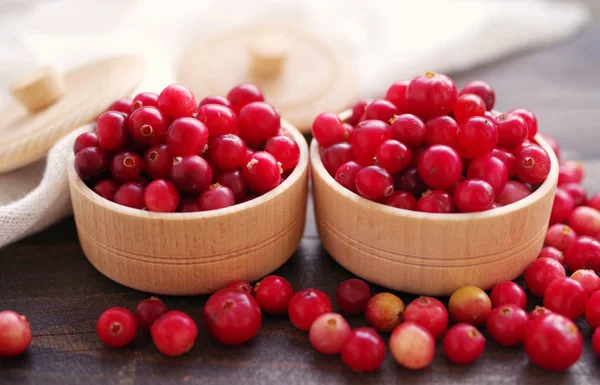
(545, 187)
(292, 179)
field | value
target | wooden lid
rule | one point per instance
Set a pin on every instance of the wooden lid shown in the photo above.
(300, 74)
(48, 106)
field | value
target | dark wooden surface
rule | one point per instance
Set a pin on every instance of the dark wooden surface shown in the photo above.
(48, 278)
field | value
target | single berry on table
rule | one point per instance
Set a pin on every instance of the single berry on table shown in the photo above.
(592, 310)
(552, 252)
(508, 292)
(364, 350)
(470, 304)
(15, 334)
(242, 286)
(384, 311)
(540, 273)
(428, 312)
(576, 191)
(566, 296)
(463, 343)
(273, 294)
(570, 172)
(545, 334)
(584, 253)
(352, 296)
(507, 324)
(585, 220)
(148, 311)
(412, 345)
(560, 236)
(174, 333)
(306, 305)
(116, 327)
(588, 278)
(328, 333)
(538, 311)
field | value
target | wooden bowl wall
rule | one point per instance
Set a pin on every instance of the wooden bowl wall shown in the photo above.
(429, 254)
(192, 253)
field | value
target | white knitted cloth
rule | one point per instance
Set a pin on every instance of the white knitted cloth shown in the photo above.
(389, 40)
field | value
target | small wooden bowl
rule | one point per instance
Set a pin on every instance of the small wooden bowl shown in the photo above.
(429, 254)
(192, 253)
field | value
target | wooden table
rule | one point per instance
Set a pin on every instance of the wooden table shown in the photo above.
(48, 278)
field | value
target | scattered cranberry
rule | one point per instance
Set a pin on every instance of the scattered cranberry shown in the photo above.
(592, 310)
(174, 334)
(366, 139)
(106, 188)
(328, 333)
(538, 312)
(508, 293)
(470, 304)
(566, 296)
(428, 312)
(392, 156)
(161, 196)
(364, 350)
(346, 175)
(397, 95)
(15, 334)
(560, 236)
(409, 129)
(126, 167)
(235, 181)
(570, 172)
(463, 343)
(242, 286)
(384, 312)
(540, 273)
(273, 294)
(552, 252)
(490, 169)
(130, 194)
(584, 253)
(441, 130)
(585, 221)
(358, 111)
(306, 305)
(576, 191)
(562, 207)
(437, 201)
(402, 200)
(481, 89)
(440, 167)
(285, 150)
(227, 151)
(191, 174)
(244, 94)
(219, 119)
(352, 296)
(261, 172)
(512, 130)
(513, 191)
(431, 95)
(473, 195)
(91, 163)
(213, 99)
(589, 279)
(121, 105)
(468, 106)
(116, 327)
(412, 346)
(148, 311)
(477, 136)
(506, 324)
(545, 334)
(507, 158)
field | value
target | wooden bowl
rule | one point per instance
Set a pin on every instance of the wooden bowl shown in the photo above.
(192, 253)
(429, 254)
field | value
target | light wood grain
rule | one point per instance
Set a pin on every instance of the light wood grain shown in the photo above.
(39, 89)
(193, 253)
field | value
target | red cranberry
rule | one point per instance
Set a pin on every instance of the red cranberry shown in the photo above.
(540, 273)
(473, 195)
(463, 343)
(539, 311)
(384, 312)
(367, 137)
(491, 170)
(244, 94)
(397, 95)
(158, 162)
(552, 252)
(273, 294)
(560, 236)
(584, 253)
(596, 342)
(470, 304)
(174, 334)
(562, 206)
(227, 151)
(592, 310)
(588, 278)
(176, 101)
(336, 155)
(374, 183)
(553, 143)
(544, 334)
(235, 181)
(576, 191)
(329, 333)
(242, 286)
(161, 196)
(436, 201)
(130, 194)
(91, 163)
(512, 130)
(507, 324)
(364, 350)
(409, 180)
(148, 126)
(481, 89)
(402, 200)
(507, 157)
(306, 306)
(112, 131)
(530, 119)
(392, 156)
(87, 139)
(585, 221)
(285, 150)
(508, 293)
(116, 327)
(429, 313)
(476, 137)
(349, 129)
(468, 106)
(261, 172)
(594, 201)
(126, 167)
(431, 95)
(219, 119)
(191, 174)
(358, 110)
(15, 334)
(257, 122)
(346, 175)
(352, 296)
(121, 105)
(513, 191)
(144, 99)
(441, 130)
(380, 110)
(106, 188)
(409, 129)
(187, 136)
(412, 346)
(570, 172)
(216, 197)
(148, 311)
(440, 167)
(213, 99)
(533, 164)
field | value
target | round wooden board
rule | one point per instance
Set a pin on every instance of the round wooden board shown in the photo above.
(26, 137)
(315, 76)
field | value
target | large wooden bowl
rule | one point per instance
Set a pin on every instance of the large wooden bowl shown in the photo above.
(429, 254)
(192, 253)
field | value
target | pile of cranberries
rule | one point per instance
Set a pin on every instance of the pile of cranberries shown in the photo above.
(427, 147)
(169, 153)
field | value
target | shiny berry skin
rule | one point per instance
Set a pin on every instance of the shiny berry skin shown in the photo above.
(436, 201)
(328, 333)
(261, 172)
(130, 194)
(87, 139)
(257, 122)
(219, 119)
(148, 126)
(144, 99)
(285, 150)
(121, 105)
(112, 131)
(540, 273)
(470, 304)
(545, 334)
(116, 327)
(585, 220)
(570, 172)
(473, 195)
(538, 311)
(441, 130)
(149, 310)
(158, 161)
(397, 95)
(440, 167)
(336, 155)
(412, 346)
(358, 111)
(513, 192)
(126, 167)
(409, 180)
(349, 129)
(191, 174)
(306, 306)
(91, 163)
(392, 156)
(106, 188)
(176, 101)
(588, 278)
(468, 106)
(507, 157)
(566, 296)
(431, 95)
(15, 334)
(594, 201)
(384, 311)
(235, 181)
(214, 99)
(244, 94)
(562, 207)
(162, 196)
(463, 343)
(174, 334)
(227, 151)
(512, 130)
(402, 200)
(477, 136)
(380, 110)
(366, 139)
(429, 313)
(533, 164)
(187, 136)
(552, 252)
(364, 350)
(592, 310)
(530, 119)
(507, 324)
(577, 192)
(374, 183)
(408, 129)
(352, 296)
(241, 285)
(216, 197)
(491, 170)
(560, 236)
(508, 292)
(273, 294)
(346, 175)
(481, 89)
(232, 316)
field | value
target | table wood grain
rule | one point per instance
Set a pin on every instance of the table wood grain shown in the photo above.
(48, 278)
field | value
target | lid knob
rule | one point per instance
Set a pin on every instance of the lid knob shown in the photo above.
(268, 53)
(39, 89)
